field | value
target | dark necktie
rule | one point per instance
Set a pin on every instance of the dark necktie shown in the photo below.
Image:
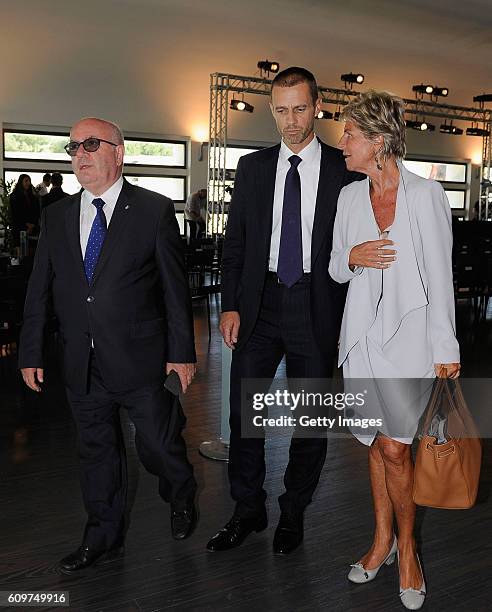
(289, 267)
(97, 235)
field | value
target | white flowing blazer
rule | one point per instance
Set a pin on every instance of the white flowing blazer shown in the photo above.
(421, 276)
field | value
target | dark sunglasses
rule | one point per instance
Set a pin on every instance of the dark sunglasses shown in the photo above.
(90, 145)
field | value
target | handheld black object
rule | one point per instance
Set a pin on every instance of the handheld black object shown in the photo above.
(172, 383)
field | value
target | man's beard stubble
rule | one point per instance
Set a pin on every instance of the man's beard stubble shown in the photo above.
(297, 138)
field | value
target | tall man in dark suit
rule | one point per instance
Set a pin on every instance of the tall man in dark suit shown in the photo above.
(278, 298)
(111, 258)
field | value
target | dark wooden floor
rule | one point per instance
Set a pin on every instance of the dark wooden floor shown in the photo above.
(42, 518)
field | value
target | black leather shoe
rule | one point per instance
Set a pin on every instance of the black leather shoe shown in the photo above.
(183, 521)
(236, 531)
(289, 533)
(84, 557)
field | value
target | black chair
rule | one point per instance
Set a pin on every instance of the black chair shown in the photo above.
(467, 279)
(12, 295)
(199, 267)
(485, 281)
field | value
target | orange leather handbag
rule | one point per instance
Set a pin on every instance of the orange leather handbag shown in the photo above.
(447, 465)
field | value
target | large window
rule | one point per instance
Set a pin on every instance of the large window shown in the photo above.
(34, 146)
(457, 198)
(445, 172)
(233, 153)
(70, 183)
(155, 153)
(173, 187)
(453, 176)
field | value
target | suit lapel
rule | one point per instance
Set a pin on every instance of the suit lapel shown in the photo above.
(72, 219)
(266, 188)
(118, 221)
(326, 200)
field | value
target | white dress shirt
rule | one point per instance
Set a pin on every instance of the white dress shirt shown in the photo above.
(88, 211)
(309, 172)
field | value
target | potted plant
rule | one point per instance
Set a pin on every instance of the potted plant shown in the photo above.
(6, 238)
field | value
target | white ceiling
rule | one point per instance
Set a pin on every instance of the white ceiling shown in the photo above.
(394, 42)
(156, 55)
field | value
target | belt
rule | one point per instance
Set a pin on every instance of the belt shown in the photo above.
(272, 276)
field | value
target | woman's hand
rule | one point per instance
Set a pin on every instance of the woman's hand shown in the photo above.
(447, 370)
(372, 254)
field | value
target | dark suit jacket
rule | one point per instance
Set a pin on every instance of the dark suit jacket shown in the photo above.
(247, 243)
(55, 194)
(138, 307)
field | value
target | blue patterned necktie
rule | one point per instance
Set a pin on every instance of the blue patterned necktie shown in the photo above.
(289, 267)
(97, 235)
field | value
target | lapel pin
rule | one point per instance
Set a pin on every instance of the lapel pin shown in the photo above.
(127, 206)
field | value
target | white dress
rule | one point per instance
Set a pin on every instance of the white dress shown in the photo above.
(397, 402)
(386, 337)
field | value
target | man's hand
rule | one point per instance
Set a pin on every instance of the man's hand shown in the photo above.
(185, 371)
(229, 327)
(372, 254)
(32, 377)
(447, 370)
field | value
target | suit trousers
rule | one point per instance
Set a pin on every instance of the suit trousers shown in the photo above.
(158, 419)
(284, 328)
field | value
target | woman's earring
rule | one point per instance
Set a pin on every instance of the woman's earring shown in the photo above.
(378, 165)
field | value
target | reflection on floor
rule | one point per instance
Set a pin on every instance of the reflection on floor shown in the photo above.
(42, 516)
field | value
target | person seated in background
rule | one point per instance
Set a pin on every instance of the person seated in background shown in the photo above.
(24, 207)
(42, 188)
(56, 193)
(195, 213)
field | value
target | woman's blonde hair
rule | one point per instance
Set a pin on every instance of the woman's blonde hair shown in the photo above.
(379, 113)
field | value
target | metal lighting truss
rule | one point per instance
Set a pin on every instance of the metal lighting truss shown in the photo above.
(485, 203)
(221, 84)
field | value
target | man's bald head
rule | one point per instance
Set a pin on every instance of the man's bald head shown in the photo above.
(98, 170)
(112, 128)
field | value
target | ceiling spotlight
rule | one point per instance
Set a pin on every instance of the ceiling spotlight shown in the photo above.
(324, 114)
(476, 131)
(423, 89)
(352, 78)
(421, 126)
(241, 105)
(440, 91)
(483, 98)
(449, 128)
(267, 66)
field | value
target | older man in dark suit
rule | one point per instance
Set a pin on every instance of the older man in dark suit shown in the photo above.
(278, 298)
(111, 258)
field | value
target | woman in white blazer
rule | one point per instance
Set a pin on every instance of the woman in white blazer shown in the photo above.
(392, 242)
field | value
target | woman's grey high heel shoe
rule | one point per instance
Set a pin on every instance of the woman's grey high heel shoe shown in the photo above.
(359, 574)
(413, 599)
